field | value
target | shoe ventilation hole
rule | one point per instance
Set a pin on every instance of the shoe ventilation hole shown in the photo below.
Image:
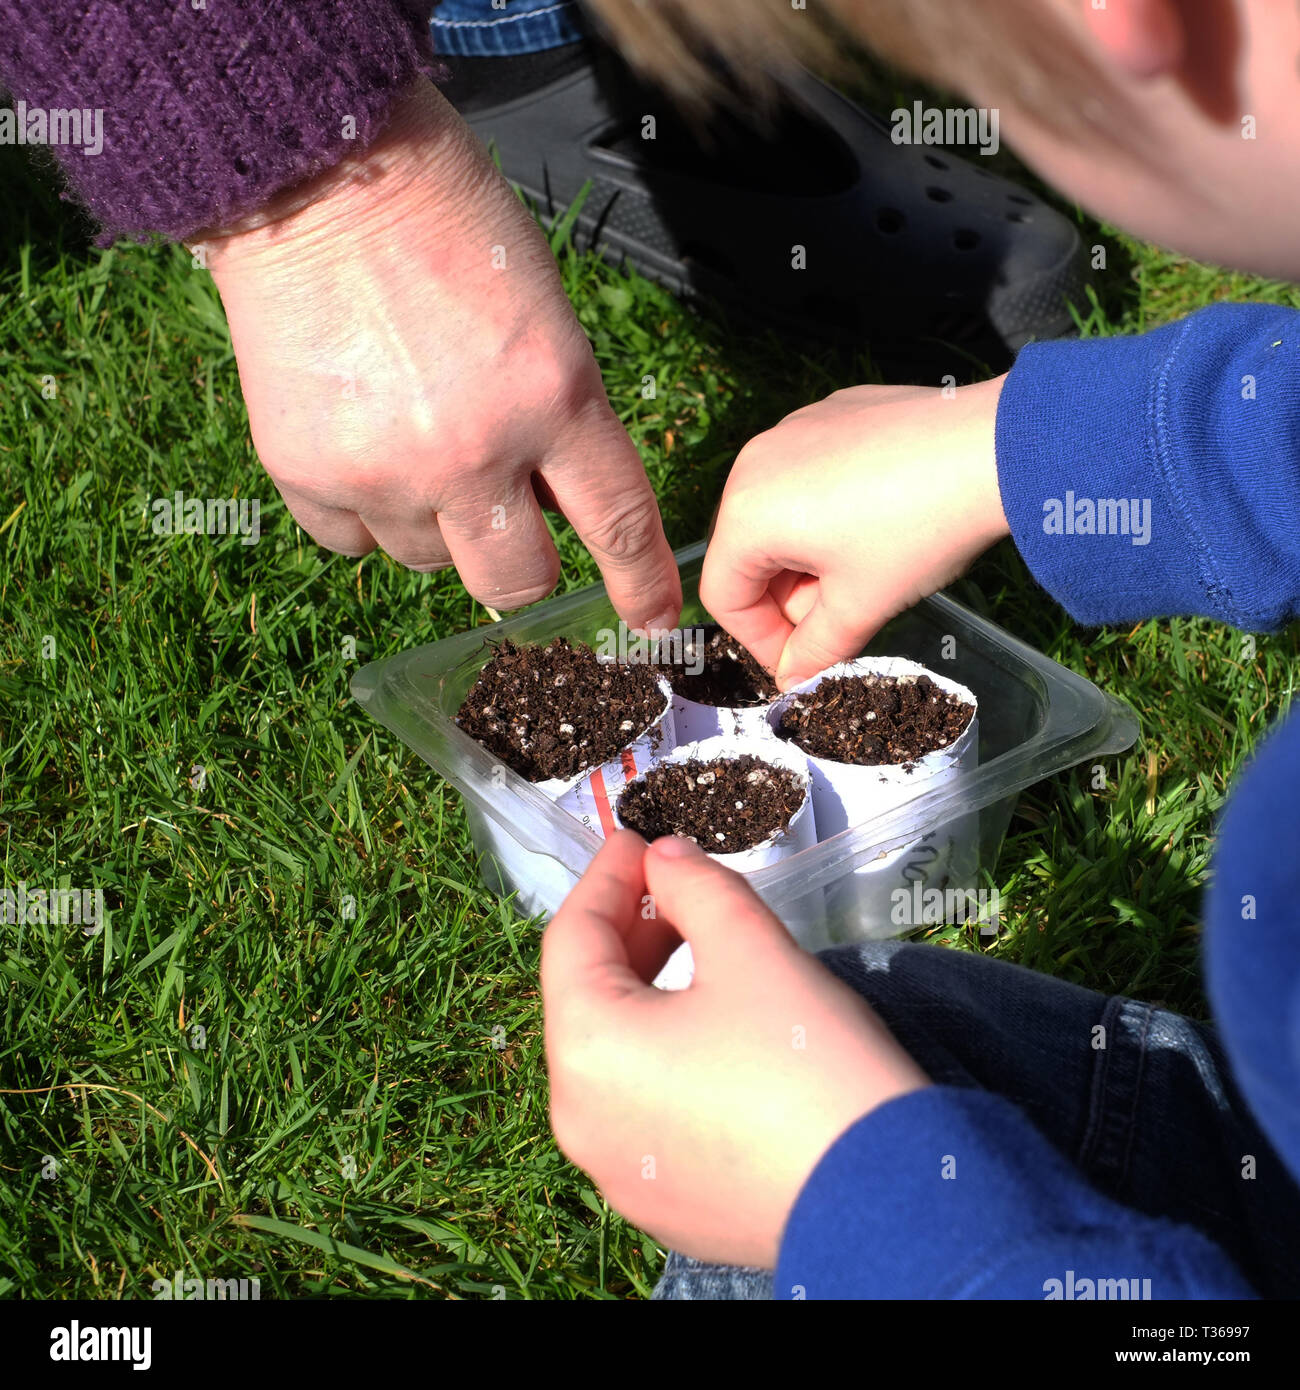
(890, 221)
(964, 239)
(1021, 199)
(938, 195)
(1017, 217)
(935, 162)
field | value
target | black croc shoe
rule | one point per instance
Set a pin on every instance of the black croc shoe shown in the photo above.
(816, 221)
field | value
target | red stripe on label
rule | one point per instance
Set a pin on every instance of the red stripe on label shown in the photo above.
(602, 802)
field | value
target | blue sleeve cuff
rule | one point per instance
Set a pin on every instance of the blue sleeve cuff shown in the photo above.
(951, 1193)
(1253, 939)
(1160, 475)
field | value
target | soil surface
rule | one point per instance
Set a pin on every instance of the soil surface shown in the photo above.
(558, 710)
(871, 721)
(731, 677)
(723, 804)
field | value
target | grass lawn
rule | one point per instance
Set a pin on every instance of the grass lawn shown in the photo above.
(233, 1079)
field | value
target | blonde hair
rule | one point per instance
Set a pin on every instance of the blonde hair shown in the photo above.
(1028, 48)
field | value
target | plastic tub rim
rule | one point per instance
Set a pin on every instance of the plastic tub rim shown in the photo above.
(1111, 728)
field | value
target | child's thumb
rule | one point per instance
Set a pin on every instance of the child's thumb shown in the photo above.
(824, 638)
(712, 908)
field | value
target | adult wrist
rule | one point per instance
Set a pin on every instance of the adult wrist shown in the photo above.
(425, 148)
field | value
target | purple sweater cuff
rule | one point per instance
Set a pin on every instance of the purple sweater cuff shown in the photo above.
(206, 113)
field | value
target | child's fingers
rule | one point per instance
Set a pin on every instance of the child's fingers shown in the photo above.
(765, 627)
(794, 594)
(713, 908)
(825, 636)
(601, 940)
(734, 588)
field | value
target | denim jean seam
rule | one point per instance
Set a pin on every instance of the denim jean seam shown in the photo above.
(1201, 1048)
(1134, 1092)
(1096, 1097)
(497, 23)
(1116, 1092)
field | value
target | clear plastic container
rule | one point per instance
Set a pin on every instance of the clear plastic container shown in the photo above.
(1036, 719)
(862, 903)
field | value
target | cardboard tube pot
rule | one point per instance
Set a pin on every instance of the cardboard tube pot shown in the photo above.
(696, 721)
(539, 880)
(590, 795)
(860, 907)
(806, 920)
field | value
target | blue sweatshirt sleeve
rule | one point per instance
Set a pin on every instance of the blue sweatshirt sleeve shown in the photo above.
(1253, 939)
(1160, 475)
(952, 1193)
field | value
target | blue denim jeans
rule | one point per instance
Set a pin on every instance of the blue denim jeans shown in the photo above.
(1152, 1118)
(474, 29)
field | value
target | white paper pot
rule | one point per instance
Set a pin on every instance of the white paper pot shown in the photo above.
(859, 907)
(590, 796)
(806, 921)
(540, 881)
(695, 722)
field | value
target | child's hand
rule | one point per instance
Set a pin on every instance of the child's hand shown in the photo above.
(700, 1113)
(848, 512)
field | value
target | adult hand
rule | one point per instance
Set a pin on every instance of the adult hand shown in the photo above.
(848, 512)
(700, 1113)
(416, 379)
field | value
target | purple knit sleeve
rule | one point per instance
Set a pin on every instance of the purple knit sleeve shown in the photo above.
(203, 113)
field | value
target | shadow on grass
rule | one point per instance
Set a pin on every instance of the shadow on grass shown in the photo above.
(34, 216)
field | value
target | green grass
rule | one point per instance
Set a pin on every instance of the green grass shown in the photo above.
(403, 1040)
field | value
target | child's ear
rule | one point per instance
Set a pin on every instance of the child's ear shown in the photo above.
(1142, 38)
